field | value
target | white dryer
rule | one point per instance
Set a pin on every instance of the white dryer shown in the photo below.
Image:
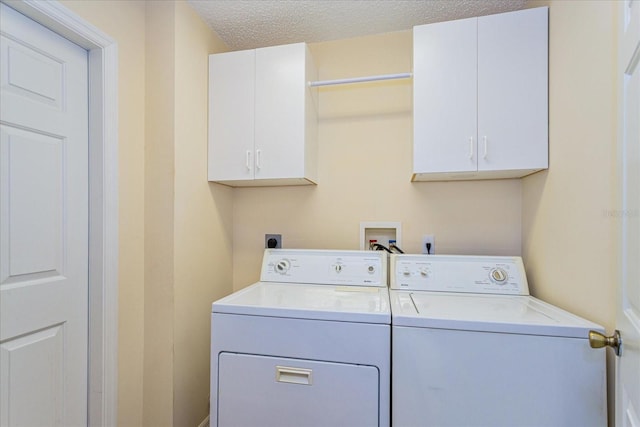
(470, 347)
(308, 345)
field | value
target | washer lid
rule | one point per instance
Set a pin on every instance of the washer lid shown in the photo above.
(303, 301)
(490, 313)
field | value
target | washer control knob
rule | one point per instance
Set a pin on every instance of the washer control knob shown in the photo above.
(424, 272)
(499, 276)
(338, 268)
(371, 269)
(282, 266)
(406, 273)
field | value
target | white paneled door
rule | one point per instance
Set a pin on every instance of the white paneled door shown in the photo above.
(628, 320)
(43, 226)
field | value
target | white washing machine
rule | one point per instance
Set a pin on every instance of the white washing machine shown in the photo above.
(470, 347)
(308, 345)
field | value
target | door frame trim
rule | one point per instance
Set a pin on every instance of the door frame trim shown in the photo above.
(102, 50)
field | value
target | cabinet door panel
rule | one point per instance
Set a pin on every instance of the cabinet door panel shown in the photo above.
(445, 97)
(231, 116)
(280, 112)
(512, 90)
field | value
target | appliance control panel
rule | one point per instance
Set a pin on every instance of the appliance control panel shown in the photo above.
(325, 267)
(458, 273)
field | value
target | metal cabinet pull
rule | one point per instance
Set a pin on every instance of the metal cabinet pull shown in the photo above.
(258, 159)
(486, 148)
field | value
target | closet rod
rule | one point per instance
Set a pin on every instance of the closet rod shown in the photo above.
(361, 79)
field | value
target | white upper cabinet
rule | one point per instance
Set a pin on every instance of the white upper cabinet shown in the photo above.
(480, 97)
(262, 117)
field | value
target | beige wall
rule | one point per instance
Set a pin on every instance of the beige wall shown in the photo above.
(568, 240)
(188, 243)
(175, 228)
(159, 215)
(364, 168)
(203, 221)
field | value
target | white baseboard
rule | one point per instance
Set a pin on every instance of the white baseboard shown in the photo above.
(205, 422)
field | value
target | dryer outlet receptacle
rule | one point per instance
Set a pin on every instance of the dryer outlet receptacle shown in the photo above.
(273, 241)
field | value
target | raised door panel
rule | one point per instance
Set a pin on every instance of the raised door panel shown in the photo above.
(512, 90)
(278, 392)
(32, 390)
(33, 201)
(281, 88)
(445, 94)
(231, 116)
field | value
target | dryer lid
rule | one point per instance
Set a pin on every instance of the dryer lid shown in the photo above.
(303, 301)
(490, 313)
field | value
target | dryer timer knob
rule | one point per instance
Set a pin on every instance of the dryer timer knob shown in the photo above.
(282, 266)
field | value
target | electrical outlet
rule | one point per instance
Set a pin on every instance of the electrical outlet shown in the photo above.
(273, 241)
(429, 244)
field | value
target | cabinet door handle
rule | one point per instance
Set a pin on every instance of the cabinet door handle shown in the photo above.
(470, 148)
(248, 160)
(258, 159)
(486, 148)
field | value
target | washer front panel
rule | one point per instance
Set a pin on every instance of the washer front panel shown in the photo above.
(456, 378)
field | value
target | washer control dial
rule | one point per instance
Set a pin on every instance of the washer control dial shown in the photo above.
(371, 269)
(499, 275)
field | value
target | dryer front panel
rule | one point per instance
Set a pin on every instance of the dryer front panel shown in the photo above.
(256, 390)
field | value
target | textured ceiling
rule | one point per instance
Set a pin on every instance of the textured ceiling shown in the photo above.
(247, 24)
